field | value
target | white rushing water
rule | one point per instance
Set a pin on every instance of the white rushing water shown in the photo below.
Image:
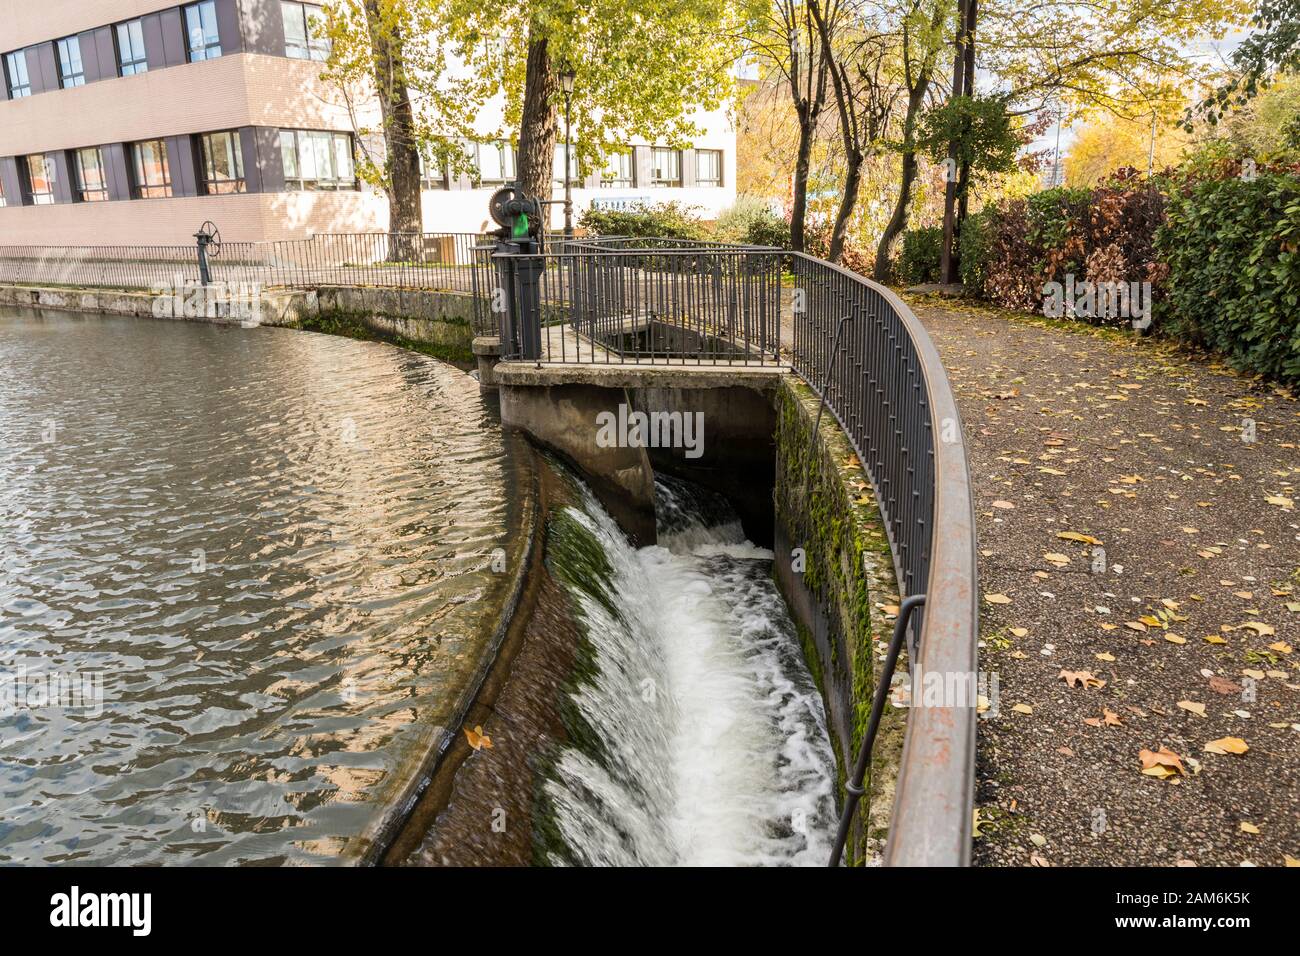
(712, 745)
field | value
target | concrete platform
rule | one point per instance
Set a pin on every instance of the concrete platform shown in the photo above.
(627, 374)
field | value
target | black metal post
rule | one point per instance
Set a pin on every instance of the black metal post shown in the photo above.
(853, 788)
(568, 182)
(205, 272)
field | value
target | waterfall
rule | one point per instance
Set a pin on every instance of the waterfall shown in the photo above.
(697, 736)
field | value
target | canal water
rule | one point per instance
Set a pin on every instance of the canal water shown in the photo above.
(244, 576)
(248, 575)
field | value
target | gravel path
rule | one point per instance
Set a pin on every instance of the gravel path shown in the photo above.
(1188, 614)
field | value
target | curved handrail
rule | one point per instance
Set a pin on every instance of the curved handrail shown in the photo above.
(897, 409)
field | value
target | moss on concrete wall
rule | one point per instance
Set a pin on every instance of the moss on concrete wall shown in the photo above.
(445, 341)
(834, 566)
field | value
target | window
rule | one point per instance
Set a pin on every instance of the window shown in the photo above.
(558, 165)
(71, 72)
(317, 160)
(432, 175)
(202, 38)
(40, 179)
(92, 186)
(665, 167)
(304, 31)
(223, 163)
(496, 162)
(16, 67)
(2, 194)
(619, 170)
(152, 177)
(131, 57)
(708, 167)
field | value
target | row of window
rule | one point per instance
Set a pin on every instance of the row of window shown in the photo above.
(312, 160)
(316, 160)
(221, 164)
(495, 163)
(304, 39)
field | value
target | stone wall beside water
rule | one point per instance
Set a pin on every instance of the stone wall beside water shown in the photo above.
(834, 567)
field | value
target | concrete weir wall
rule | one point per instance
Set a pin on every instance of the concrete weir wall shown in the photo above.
(443, 319)
(276, 308)
(566, 407)
(808, 499)
(834, 566)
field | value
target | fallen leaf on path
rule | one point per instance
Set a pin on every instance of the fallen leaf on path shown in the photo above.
(1076, 536)
(477, 739)
(1221, 685)
(1248, 827)
(997, 599)
(1226, 745)
(1083, 679)
(1161, 763)
(1193, 707)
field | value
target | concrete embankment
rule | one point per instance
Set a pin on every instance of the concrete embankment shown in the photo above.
(436, 323)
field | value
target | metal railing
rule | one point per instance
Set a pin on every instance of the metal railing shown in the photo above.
(114, 267)
(432, 261)
(890, 394)
(604, 302)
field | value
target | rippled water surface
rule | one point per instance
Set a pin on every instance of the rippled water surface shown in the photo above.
(259, 562)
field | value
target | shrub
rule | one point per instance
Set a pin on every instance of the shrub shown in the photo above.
(1106, 234)
(1055, 220)
(1232, 247)
(918, 262)
(1012, 276)
(670, 220)
(751, 221)
(973, 251)
(817, 239)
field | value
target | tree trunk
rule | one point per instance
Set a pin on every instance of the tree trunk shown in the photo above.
(799, 207)
(537, 126)
(964, 174)
(947, 260)
(852, 180)
(898, 219)
(402, 173)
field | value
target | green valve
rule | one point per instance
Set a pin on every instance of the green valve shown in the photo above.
(521, 227)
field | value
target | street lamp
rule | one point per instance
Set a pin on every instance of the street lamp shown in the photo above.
(567, 78)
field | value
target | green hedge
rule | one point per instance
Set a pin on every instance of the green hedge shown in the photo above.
(1233, 251)
(752, 222)
(973, 251)
(918, 262)
(669, 220)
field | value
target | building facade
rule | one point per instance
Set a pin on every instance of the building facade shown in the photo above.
(133, 121)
